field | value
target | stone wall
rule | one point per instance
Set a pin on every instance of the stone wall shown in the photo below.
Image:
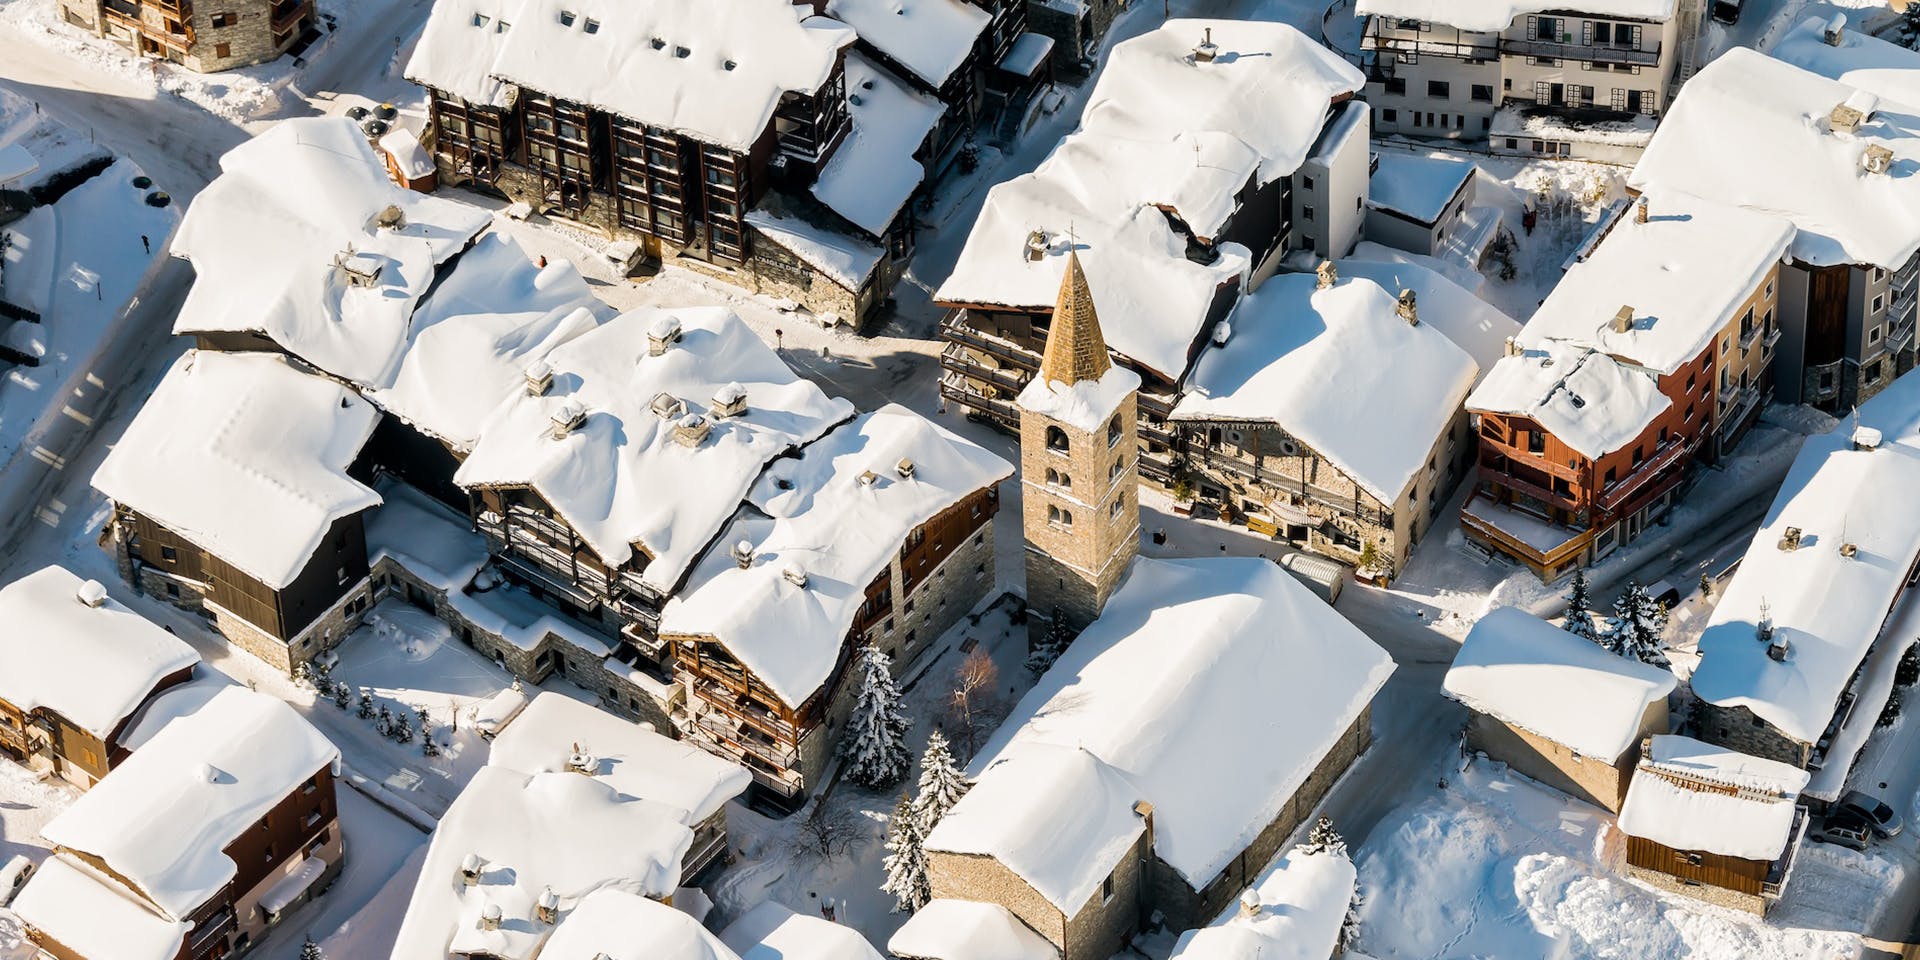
(1582, 778)
(1739, 729)
(1075, 563)
(1719, 896)
(1097, 931)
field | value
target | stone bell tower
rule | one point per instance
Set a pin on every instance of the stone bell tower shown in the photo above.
(1079, 467)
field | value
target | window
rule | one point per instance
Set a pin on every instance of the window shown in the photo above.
(1059, 479)
(908, 608)
(1306, 183)
(566, 18)
(1118, 466)
(1106, 889)
(1119, 502)
(1113, 431)
(1390, 115)
(1397, 85)
(1416, 118)
(1057, 439)
(169, 554)
(1439, 89)
(222, 51)
(1536, 442)
(1603, 33)
(1879, 300)
(1871, 371)
(1483, 92)
(229, 19)
(1613, 473)
(1513, 144)
(1307, 214)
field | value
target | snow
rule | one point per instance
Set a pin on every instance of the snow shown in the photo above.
(458, 47)
(563, 832)
(1492, 16)
(1763, 125)
(210, 776)
(1154, 720)
(1828, 608)
(171, 704)
(713, 72)
(227, 439)
(520, 618)
(874, 172)
(816, 512)
(1086, 405)
(845, 259)
(1522, 670)
(1027, 55)
(1588, 400)
(1303, 902)
(34, 138)
(1862, 60)
(266, 238)
(93, 666)
(932, 38)
(1525, 121)
(770, 931)
(1159, 129)
(494, 713)
(408, 155)
(616, 925)
(88, 913)
(1473, 324)
(1754, 824)
(1419, 187)
(965, 930)
(291, 886)
(16, 163)
(430, 540)
(621, 479)
(1396, 387)
(635, 761)
(1681, 301)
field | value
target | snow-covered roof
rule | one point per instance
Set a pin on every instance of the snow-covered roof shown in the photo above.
(874, 172)
(275, 239)
(93, 665)
(1160, 130)
(1028, 53)
(173, 703)
(92, 915)
(1752, 131)
(209, 777)
(1680, 299)
(1473, 324)
(967, 930)
(408, 155)
(428, 538)
(636, 761)
(1178, 671)
(1590, 401)
(1304, 899)
(1827, 606)
(1490, 16)
(471, 341)
(1396, 386)
(837, 515)
(1614, 130)
(529, 834)
(713, 71)
(1688, 795)
(1416, 186)
(230, 438)
(1862, 60)
(16, 163)
(1525, 671)
(842, 257)
(457, 49)
(1084, 405)
(621, 479)
(615, 925)
(932, 38)
(770, 931)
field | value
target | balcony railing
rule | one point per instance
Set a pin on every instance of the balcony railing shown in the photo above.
(1674, 452)
(956, 329)
(1580, 51)
(1410, 49)
(1344, 503)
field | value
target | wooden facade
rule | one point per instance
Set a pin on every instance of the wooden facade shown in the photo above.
(76, 754)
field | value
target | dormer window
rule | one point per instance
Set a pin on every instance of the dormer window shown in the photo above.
(682, 52)
(480, 20)
(657, 43)
(566, 18)
(592, 26)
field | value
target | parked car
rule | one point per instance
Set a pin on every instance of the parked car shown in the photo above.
(1844, 828)
(1664, 593)
(1726, 11)
(1879, 816)
(13, 876)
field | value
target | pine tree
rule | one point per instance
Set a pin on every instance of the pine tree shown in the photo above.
(1579, 620)
(1051, 646)
(342, 695)
(1634, 632)
(1369, 558)
(383, 721)
(1891, 712)
(875, 747)
(1323, 838)
(941, 785)
(311, 951)
(1350, 924)
(906, 860)
(303, 674)
(402, 727)
(366, 704)
(1908, 672)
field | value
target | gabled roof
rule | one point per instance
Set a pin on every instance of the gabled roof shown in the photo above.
(1590, 401)
(968, 930)
(771, 931)
(1473, 324)
(1688, 795)
(1490, 16)
(932, 38)
(93, 915)
(1303, 904)
(1862, 60)
(228, 439)
(874, 173)
(615, 925)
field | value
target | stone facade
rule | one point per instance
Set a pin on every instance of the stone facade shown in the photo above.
(320, 636)
(1080, 512)
(1075, 36)
(1719, 896)
(1098, 930)
(1738, 728)
(210, 38)
(1582, 778)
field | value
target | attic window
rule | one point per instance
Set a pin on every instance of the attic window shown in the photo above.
(501, 26)
(592, 25)
(566, 18)
(480, 20)
(657, 43)
(682, 52)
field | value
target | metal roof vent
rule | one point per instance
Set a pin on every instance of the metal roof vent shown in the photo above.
(1790, 541)
(664, 333)
(904, 468)
(568, 418)
(92, 594)
(692, 430)
(539, 378)
(794, 574)
(730, 400)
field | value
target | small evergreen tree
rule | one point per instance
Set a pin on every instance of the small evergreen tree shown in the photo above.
(1051, 646)
(906, 860)
(366, 704)
(1323, 838)
(342, 695)
(402, 727)
(1579, 620)
(1908, 672)
(941, 784)
(311, 951)
(1634, 632)
(1890, 712)
(303, 673)
(875, 746)
(383, 721)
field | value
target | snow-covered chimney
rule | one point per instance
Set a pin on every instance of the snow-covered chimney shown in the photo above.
(1844, 119)
(1849, 550)
(1513, 347)
(904, 468)
(1866, 438)
(361, 270)
(392, 218)
(1206, 50)
(666, 406)
(568, 418)
(743, 554)
(730, 400)
(471, 868)
(1790, 541)
(1835, 30)
(692, 430)
(1779, 649)
(1327, 274)
(1409, 308)
(1036, 248)
(539, 378)
(490, 917)
(92, 594)
(580, 760)
(1249, 903)
(868, 478)
(795, 574)
(1222, 332)
(547, 908)
(1878, 159)
(1640, 209)
(1623, 320)
(664, 333)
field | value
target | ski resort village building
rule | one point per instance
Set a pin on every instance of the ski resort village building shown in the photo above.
(1797, 660)
(1643, 358)
(213, 828)
(1711, 823)
(1825, 154)
(76, 667)
(1294, 910)
(1424, 205)
(204, 38)
(574, 804)
(1557, 707)
(1533, 77)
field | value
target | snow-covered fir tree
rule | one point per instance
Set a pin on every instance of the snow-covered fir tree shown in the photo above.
(941, 785)
(383, 721)
(402, 727)
(875, 746)
(366, 704)
(311, 951)
(1323, 838)
(342, 695)
(1050, 646)
(906, 860)
(1579, 620)
(1637, 625)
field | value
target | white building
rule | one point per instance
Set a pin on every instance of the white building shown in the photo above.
(1421, 204)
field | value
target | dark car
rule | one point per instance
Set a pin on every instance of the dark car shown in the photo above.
(1844, 828)
(1726, 11)
(1879, 816)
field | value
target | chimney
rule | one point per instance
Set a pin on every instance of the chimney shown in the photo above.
(539, 378)
(1640, 209)
(1205, 51)
(470, 870)
(743, 554)
(691, 430)
(664, 333)
(1144, 810)
(490, 917)
(1222, 332)
(1849, 550)
(730, 400)
(547, 908)
(568, 418)
(1835, 30)
(795, 574)
(1036, 246)
(1513, 347)
(92, 594)
(1878, 159)
(868, 478)
(361, 270)
(1844, 119)
(666, 406)
(1790, 541)
(1327, 274)
(1866, 438)
(904, 468)
(392, 218)
(1249, 903)
(1623, 320)
(1409, 309)
(580, 761)
(1778, 650)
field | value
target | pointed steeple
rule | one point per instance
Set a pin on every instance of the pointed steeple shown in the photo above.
(1076, 350)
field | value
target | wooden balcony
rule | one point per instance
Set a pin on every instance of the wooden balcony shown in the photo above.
(1596, 53)
(1675, 452)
